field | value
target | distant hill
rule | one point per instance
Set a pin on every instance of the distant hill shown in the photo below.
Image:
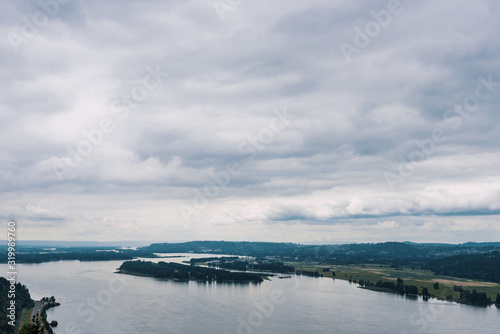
(467, 244)
(480, 244)
(227, 247)
(55, 243)
(397, 253)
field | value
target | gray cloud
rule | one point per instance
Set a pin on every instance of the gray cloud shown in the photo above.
(325, 173)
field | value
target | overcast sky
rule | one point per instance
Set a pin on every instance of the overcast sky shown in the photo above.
(302, 121)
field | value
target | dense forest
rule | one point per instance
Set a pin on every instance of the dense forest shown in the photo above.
(183, 272)
(23, 301)
(475, 266)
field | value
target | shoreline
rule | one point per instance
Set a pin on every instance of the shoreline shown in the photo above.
(132, 273)
(417, 277)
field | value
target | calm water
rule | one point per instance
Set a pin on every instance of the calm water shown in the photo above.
(94, 300)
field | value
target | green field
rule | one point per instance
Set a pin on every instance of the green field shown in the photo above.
(26, 317)
(418, 277)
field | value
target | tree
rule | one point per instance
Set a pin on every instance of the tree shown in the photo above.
(36, 327)
(436, 286)
(411, 290)
(498, 299)
(475, 298)
(425, 292)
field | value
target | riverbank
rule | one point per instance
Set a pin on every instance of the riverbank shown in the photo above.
(448, 288)
(39, 311)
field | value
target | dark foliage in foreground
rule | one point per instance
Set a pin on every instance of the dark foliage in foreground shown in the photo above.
(23, 301)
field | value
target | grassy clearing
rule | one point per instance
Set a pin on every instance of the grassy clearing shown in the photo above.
(26, 317)
(418, 277)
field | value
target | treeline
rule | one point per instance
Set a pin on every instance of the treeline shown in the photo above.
(51, 302)
(467, 297)
(23, 301)
(475, 298)
(231, 265)
(309, 273)
(475, 266)
(397, 287)
(470, 260)
(40, 256)
(392, 253)
(244, 248)
(209, 259)
(274, 266)
(262, 265)
(184, 272)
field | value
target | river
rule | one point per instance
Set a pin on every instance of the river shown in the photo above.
(95, 300)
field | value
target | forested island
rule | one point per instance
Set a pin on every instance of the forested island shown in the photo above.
(181, 272)
(245, 264)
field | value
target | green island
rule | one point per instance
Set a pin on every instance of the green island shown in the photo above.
(181, 272)
(235, 263)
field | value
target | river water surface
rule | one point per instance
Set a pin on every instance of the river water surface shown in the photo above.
(95, 300)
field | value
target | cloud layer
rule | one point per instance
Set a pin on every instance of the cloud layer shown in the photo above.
(342, 120)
